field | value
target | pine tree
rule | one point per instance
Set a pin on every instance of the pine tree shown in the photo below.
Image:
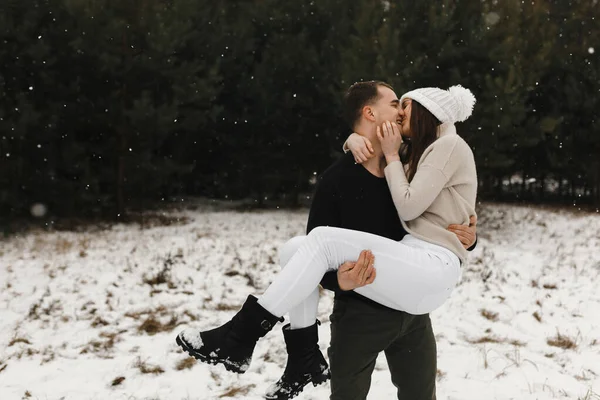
(147, 96)
(34, 74)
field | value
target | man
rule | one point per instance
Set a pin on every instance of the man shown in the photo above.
(356, 196)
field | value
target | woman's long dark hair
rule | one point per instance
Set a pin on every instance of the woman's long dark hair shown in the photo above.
(423, 127)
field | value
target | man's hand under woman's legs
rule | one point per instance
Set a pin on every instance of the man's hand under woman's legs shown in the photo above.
(352, 275)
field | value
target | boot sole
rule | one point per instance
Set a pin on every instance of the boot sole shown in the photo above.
(315, 380)
(229, 366)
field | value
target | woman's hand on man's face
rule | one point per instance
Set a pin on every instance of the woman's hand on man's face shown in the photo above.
(391, 139)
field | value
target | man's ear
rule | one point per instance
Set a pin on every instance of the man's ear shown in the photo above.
(368, 113)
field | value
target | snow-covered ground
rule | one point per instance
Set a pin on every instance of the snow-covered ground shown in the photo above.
(94, 314)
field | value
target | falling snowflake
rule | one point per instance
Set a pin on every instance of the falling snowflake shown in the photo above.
(38, 210)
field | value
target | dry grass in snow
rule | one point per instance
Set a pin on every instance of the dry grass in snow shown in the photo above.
(92, 314)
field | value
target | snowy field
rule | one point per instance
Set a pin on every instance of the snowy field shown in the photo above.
(94, 314)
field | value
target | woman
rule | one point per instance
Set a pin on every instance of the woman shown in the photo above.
(436, 187)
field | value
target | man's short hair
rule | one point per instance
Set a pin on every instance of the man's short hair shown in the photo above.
(359, 95)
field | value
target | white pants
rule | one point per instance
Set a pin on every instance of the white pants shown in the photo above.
(412, 275)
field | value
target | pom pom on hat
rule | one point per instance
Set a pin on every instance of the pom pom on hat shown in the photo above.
(466, 101)
(452, 105)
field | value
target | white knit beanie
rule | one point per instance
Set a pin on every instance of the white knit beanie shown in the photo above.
(452, 105)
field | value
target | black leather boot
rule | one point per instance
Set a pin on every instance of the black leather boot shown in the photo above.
(305, 364)
(231, 344)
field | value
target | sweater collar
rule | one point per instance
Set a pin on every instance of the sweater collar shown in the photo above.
(445, 129)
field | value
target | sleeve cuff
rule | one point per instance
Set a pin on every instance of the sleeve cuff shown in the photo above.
(473, 247)
(389, 170)
(394, 172)
(330, 282)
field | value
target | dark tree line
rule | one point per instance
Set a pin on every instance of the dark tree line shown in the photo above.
(111, 105)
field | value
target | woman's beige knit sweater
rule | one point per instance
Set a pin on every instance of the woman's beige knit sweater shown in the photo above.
(442, 192)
